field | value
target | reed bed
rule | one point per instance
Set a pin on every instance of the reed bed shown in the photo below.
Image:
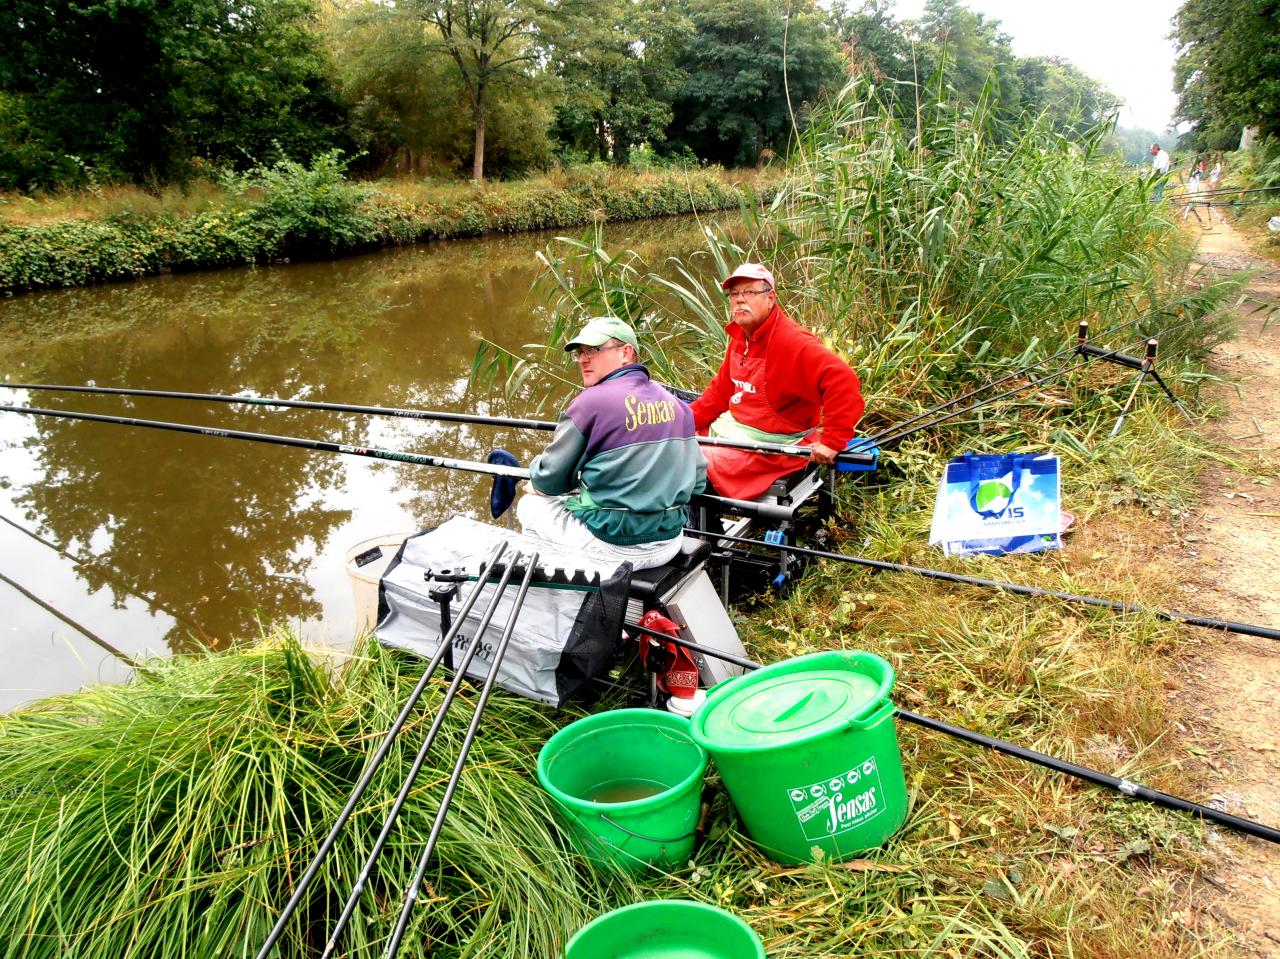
(933, 247)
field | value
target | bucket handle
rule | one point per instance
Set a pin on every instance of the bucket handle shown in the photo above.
(876, 717)
(635, 835)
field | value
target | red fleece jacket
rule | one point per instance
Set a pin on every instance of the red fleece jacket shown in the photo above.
(806, 384)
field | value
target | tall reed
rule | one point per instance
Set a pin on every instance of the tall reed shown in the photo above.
(929, 244)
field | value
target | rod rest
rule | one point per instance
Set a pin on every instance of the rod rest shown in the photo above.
(550, 575)
(1121, 359)
(745, 507)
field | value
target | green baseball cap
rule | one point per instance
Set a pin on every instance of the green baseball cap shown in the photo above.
(601, 330)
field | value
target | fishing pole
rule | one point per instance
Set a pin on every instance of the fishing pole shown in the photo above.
(762, 510)
(446, 703)
(878, 438)
(482, 576)
(895, 437)
(1224, 190)
(411, 897)
(111, 577)
(81, 629)
(417, 459)
(1125, 787)
(1171, 616)
(858, 457)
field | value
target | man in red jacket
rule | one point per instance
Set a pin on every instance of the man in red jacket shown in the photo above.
(777, 384)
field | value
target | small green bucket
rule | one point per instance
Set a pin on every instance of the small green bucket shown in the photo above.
(666, 929)
(629, 782)
(808, 752)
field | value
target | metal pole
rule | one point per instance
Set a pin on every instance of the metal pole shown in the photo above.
(393, 946)
(366, 777)
(446, 702)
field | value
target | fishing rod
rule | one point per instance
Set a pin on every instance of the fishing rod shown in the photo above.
(417, 459)
(446, 703)
(1096, 352)
(84, 631)
(857, 457)
(411, 897)
(111, 577)
(1125, 787)
(879, 438)
(1224, 190)
(482, 577)
(762, 510)
(1171, 616)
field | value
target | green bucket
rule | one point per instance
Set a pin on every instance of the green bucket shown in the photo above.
(808, 751)
(629, 782)
(666, 929)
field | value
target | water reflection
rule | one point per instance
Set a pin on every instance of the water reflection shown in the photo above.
(225, 535)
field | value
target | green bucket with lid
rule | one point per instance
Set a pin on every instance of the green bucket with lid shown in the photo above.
(666, 929)
(629, 783)
(809, 754)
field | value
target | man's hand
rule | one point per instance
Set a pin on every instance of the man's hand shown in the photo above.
(528, 489)
(822, 454)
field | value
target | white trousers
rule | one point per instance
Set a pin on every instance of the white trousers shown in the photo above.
(546, 517)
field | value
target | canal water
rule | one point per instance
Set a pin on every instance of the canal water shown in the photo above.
(119, 542)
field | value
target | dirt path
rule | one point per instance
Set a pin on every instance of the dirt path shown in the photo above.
(1229, 694)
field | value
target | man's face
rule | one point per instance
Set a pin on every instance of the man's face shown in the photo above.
(595, 363)
(750, 302)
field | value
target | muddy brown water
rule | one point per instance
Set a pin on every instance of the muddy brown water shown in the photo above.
(118, 542)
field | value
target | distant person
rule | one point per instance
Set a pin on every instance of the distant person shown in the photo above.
(777, 384)
(619, 471)
(1159, 169)
(1215, 174)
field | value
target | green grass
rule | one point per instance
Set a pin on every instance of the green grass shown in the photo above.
(172, 816)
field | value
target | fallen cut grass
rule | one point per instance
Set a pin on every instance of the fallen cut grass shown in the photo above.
(173, 816)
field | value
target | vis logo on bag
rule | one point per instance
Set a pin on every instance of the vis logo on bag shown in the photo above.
(1002, 503)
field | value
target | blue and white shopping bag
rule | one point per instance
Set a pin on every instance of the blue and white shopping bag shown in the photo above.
(1002, 503)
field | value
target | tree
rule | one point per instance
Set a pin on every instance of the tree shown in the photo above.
(491, 42)
(975, 56)
(1227, 74)
(874, 43)
(751, 67)
(1073, 101)
(619, 76)
(409, 110)
(137, 88)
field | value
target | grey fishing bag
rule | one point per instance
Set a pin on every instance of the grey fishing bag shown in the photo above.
(566, 633)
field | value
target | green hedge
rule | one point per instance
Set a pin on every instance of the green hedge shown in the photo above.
(295, 212)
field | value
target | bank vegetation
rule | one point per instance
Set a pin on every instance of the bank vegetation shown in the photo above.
(936, 249)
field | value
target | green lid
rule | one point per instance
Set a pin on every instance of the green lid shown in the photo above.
(793, 701)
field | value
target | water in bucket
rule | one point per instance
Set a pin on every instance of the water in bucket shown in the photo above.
(629, 784)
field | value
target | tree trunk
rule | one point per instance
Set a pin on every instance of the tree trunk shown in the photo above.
(477, 165)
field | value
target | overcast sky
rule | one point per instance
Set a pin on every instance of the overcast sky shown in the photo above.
(1120, 42)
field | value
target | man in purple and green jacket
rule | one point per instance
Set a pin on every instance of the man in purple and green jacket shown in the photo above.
(623, 463)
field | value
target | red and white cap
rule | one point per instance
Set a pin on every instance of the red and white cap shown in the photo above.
(749, 271)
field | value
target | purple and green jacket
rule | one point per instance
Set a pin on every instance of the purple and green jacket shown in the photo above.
(626, 446)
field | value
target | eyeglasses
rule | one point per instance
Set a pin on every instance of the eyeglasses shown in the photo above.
(582, 351)
(745, 294)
